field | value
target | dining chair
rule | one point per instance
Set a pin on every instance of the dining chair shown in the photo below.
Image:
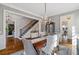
(28, 47)
(51, 43)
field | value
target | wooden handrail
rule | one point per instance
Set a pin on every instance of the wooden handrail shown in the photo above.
(27, 27)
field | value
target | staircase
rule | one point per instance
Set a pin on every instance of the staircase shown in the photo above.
(27, 27)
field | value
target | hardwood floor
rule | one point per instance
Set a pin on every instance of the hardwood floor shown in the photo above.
(12, 45)
(67, 43)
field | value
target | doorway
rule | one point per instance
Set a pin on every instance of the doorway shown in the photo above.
(10, 30)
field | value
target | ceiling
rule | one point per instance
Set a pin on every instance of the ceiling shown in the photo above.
(51, 8)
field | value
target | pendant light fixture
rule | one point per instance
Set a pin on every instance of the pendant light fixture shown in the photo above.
(45, 18)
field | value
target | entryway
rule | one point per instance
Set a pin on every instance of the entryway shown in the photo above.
(10, 29)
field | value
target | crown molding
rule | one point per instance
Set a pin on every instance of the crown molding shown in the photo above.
(26, 11)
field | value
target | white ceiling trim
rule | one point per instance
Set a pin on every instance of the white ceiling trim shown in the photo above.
(29, 12)
(21, 14)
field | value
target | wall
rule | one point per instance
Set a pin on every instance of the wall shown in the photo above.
(2, 29)
(76, 22)
(2, 42)
(19, 21)
(36, 28)
(75, 31)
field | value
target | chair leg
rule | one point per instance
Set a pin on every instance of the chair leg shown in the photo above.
(24, 53)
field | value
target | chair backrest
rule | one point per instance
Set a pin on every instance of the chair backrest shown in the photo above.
(51, 43)
(28, 47)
